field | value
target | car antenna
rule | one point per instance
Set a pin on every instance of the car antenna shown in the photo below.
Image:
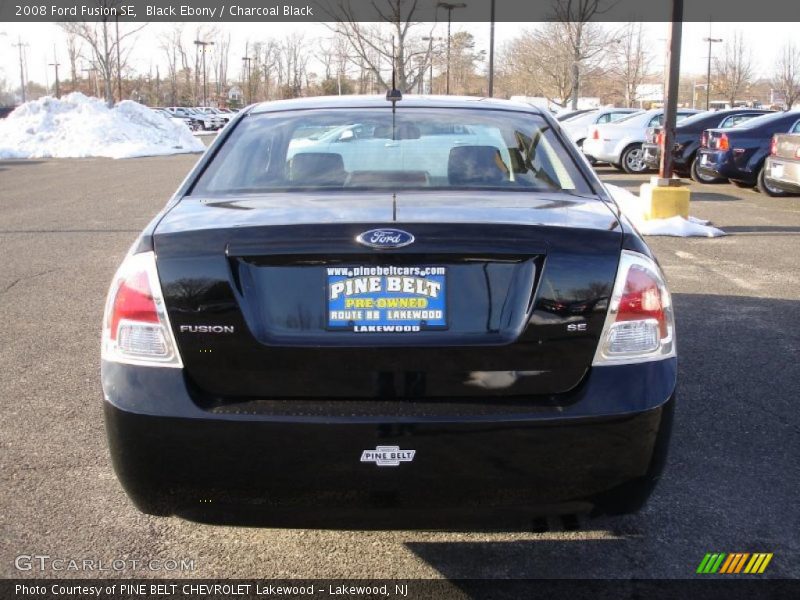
(394, 95)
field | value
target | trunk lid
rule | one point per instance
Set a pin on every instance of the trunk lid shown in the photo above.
(525, 280)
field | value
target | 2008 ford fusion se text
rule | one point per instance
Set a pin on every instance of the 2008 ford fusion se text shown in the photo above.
(405, 310)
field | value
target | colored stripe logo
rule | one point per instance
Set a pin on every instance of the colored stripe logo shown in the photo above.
(734, 563)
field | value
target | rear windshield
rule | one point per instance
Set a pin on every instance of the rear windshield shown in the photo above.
(764, 120)
(415, 148)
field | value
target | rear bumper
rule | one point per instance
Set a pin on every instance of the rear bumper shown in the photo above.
(721, 164)
(651, 154)
(602, 150)
(783, 174)
(602, 452)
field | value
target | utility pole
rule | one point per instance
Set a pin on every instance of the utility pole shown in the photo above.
(449, 7)
(202, 46)
(246, 60)
(55, 64)
(491, 51)
(710, 41)
(21, 47)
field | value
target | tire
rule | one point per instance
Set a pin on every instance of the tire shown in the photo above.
(700, 178)
(632, 160)
(767, 189)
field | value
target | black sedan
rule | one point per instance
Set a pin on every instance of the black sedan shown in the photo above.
(443, 317)
(687, 139)
(739, 154)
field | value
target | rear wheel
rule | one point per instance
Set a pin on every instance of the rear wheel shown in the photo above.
(766, 188)
(633, 160)
(700, 177)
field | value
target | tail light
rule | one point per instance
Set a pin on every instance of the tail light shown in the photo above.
(595, 133)
(704, 140)
(723, 143)
(797, 153)
(136, 327)
(660, 138)
(640, 325)
(773, 146)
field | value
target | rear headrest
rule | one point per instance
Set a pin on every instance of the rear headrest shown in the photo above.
(480, 165)
(317, 168)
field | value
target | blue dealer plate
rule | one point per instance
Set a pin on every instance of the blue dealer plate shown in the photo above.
(386, 299)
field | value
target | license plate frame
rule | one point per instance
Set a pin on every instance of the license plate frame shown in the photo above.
(382, 299)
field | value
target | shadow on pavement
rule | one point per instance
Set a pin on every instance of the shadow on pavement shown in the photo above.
(762, 229)
(712, 197)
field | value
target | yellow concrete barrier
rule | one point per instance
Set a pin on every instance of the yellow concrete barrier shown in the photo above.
(665, 198)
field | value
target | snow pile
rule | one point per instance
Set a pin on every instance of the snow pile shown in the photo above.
(77, 127)
(633, 208)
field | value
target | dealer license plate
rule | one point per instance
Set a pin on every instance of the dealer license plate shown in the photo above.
(386, 299)
(777, 170)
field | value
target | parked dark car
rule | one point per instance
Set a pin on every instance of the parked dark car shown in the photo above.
(5, 111)
(687, 139)
(782, 170)
(738, 154)
(446, 318)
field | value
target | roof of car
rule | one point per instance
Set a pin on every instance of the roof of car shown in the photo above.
(378, 101)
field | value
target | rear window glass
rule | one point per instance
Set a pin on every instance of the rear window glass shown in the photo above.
(414, 148)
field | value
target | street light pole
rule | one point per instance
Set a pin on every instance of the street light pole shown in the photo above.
(449, 7)
(710, 41)
(205, 82)
(491, 52)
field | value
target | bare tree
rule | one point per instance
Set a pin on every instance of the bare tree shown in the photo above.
(73, 53)
(380, 46)
(787, 74)
(733, 71)
(105, 46)
(172, 47)
(630, 60)
(581, 38)
(540, 63)
(221, 60)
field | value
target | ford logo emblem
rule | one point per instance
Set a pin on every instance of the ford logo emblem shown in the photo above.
(385, 238)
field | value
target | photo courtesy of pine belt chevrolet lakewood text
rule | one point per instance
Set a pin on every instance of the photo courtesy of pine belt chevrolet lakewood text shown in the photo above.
(406, 309)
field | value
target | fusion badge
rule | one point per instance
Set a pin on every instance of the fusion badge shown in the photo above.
(387, 456)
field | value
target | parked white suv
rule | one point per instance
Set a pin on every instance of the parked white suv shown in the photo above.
(620, 142)
(577, 126)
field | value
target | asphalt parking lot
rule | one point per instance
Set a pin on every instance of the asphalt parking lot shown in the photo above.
(731, 483)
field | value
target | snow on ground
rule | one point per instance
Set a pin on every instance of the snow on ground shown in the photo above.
(77, 126)
(633, 207)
